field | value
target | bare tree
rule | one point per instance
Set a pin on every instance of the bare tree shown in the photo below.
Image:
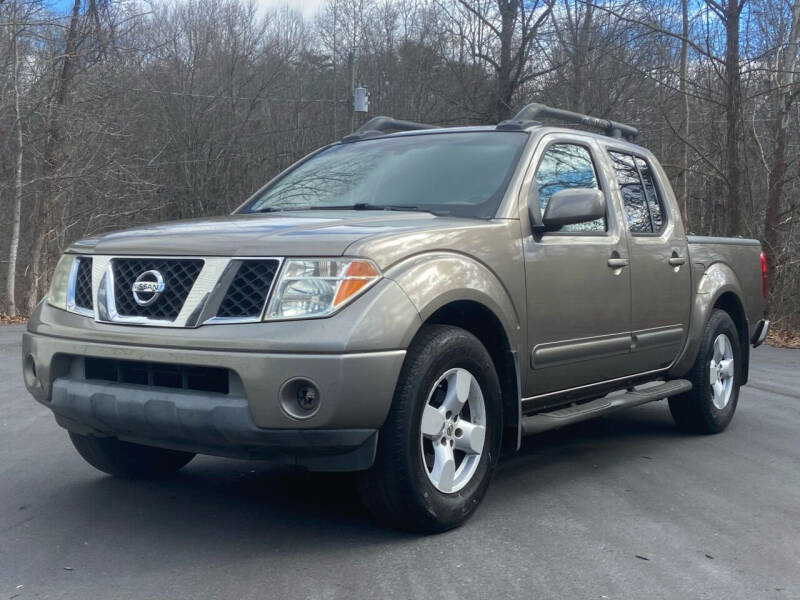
(121, 113)
(515, 25)
(785, 95)
(17, 30)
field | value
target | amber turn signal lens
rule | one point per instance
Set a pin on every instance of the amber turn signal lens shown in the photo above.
(358, 274)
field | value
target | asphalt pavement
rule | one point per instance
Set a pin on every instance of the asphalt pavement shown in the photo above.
(622, 507)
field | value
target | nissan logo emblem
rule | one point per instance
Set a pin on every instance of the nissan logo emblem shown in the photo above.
(148, 287)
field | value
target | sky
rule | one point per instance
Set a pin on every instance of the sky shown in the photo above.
(307, 7)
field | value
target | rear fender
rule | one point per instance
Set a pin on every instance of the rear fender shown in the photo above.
(715, 281)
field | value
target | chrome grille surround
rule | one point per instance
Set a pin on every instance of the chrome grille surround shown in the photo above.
(199, 307)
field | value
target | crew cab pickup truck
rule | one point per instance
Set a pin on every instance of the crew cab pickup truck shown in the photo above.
(406, 303)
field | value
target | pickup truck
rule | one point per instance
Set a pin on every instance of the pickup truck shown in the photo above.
(406, 303)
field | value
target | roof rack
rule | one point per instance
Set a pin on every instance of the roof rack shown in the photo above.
(383, 125)
(528, 116)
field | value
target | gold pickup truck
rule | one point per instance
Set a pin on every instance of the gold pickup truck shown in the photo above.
(405, 303)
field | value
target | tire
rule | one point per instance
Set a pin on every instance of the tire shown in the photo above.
(409, 487)
(127, 460)
(701, 411)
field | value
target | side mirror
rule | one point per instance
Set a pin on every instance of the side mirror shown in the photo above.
(570, 206)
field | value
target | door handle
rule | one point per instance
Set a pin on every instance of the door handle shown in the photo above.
(617, 263)
(677, 261)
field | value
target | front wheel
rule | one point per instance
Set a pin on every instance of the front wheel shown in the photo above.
(715, 378)
(439, 446)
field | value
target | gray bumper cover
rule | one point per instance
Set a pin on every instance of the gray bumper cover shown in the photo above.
(204, 423)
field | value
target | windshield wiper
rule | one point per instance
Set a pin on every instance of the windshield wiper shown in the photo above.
(268, 209)
(357, 206)
(397, 207)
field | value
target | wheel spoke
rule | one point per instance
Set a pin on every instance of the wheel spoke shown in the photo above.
(432, 421)
(444, 467)
(719, 348)
(458, 386)
(471, 438)
(726, 368)
(719, 390)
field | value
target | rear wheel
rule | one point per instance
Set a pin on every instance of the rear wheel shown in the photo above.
(127, 460)
(439, 446)
(715, 378)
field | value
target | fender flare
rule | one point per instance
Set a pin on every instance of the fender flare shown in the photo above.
(434, 280)
(718, 279)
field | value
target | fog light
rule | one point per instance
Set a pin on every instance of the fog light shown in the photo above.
(306, 397)
(300, 398)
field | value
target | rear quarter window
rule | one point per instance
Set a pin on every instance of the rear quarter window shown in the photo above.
(643, 207)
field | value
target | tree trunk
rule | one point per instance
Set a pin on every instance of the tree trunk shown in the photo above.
(505, 85)
(581, 59)
(683, 181)
(784, 80)
(733, 107)
(11, 276)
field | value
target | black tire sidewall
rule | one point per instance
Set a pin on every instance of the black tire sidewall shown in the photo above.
(441, 349)
(716, 419)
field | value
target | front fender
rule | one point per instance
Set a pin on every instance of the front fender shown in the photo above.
(716, 280)
(433, 280)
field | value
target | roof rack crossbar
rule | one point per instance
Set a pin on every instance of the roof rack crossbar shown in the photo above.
(382, 125)
(532, 112)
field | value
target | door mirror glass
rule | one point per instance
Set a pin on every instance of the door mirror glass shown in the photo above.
(568, 207)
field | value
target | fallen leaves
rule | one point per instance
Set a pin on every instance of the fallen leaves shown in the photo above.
(7, 320)
(783, 338)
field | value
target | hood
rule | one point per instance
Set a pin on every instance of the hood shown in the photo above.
(306, 233)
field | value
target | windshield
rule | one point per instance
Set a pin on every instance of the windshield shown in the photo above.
(459, 173)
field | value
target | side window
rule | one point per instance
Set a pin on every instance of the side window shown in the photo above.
(567, 166)
(639, 194)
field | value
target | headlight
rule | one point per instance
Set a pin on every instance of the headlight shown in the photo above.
(318, 287)
(57, 296)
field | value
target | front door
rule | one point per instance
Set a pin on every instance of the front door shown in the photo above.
(578, 279)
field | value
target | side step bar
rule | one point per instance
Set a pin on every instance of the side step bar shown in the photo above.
(602, 406)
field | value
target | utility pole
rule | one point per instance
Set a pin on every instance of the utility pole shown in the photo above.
(352, 59)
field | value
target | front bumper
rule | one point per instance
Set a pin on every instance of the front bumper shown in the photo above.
(356, 390)
(201, 423)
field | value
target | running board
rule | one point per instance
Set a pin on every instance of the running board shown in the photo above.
(602, 406)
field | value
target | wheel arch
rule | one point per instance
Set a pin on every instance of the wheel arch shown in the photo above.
(453, 289)
(480, 321)
(729, 302)
(718, 288)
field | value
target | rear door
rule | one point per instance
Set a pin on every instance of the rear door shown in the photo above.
(659, 261)
(577, 279)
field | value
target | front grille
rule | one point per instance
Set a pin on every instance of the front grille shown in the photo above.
(248, 291)
(202, 379)
(83, 283)
(179, 276)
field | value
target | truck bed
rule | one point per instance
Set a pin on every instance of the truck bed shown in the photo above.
(742, 256)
